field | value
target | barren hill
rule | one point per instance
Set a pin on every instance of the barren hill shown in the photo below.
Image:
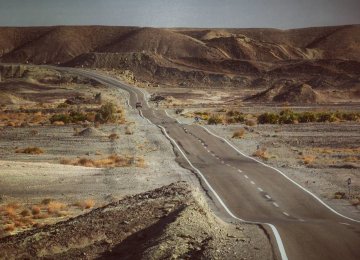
(197, 57)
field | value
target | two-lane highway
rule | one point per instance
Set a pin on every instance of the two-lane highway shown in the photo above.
(300, 224)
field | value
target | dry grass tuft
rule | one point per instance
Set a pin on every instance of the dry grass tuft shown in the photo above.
(54, 207)
(30, 150)
(25, 213)
(46, 201)
(239, 134)
(250, 122)
(9, 209)
(58, 123)
(128, 130)
(140, 162)
(41, 216)
(262, 153)
(35, 210)
(108, 162)
(86, 204)
(339, 195)
(9, 227)
(308, 159)
(355, 202)
(113, 137)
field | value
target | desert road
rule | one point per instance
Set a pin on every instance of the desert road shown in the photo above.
(300, 225)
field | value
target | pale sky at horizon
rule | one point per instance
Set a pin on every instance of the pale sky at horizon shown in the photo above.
(282, 14)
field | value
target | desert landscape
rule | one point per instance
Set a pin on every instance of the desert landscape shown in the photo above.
(86, 174)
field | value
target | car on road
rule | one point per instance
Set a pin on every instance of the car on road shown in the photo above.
(138, 105)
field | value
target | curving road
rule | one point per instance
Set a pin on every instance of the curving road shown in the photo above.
(300, 225)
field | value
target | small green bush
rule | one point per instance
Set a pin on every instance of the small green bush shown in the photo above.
(307, 117)
(106, 114)
(268, 118)
(76, 117)
(60, 118)
(215, 119)
(326, 117)
(287, 117)
(63, 105)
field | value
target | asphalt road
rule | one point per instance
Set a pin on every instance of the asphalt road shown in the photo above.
(254, 192)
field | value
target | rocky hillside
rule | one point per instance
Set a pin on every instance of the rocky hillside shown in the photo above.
(324, 56)
(167, 223)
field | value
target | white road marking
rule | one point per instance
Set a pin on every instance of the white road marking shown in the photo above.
(268, 197)
(260, 189)
(275, 204)
(273, 228)
(222, 162)
(343, 223)
(301, 220)
(286, 214)
(228, 165)
(283, 174)
(253, 183)
(247, 177)
(239, 170)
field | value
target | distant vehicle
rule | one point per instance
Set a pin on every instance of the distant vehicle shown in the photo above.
(138, 105)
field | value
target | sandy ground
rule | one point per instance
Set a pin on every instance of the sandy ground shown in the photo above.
(329, 145)
(35, 177)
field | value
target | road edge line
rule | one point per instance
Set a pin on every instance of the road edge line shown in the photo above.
(273, 228)
(284, 175)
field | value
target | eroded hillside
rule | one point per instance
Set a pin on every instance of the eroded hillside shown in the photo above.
(323, 58)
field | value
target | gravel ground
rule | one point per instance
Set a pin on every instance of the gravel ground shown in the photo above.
(171, 222)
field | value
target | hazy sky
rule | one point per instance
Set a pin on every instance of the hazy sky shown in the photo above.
(181, 13)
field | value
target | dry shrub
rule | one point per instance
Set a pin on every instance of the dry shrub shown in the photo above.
(38, 225)
(35, 210)
(54, 207)
(140, 162)
(30, 150)
(261, 153)
(128, 130)
(66, 161)
(19, 224)
(26, 221)
(339, 195)
(9, 227)
(58, 123)
(25, 213)
(10, 209)
(41, 216)
(46, 201)
(108, 162)
(308, 159)
(86, 204)
(113, 136)
(34, 132)
(355, 202)
(250, 122)
(239, 134)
